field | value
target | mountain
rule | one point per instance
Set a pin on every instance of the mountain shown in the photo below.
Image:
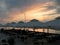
(12, 24)
(34, 24)
(54, 24)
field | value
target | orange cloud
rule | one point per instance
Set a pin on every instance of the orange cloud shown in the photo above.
(35, 11)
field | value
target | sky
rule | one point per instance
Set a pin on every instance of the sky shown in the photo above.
(26, 10)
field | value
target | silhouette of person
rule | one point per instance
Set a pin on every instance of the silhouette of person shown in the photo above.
(3, 41)
(2, 29)
(11, 41)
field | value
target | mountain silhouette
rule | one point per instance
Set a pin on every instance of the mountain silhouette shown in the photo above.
(54, 24)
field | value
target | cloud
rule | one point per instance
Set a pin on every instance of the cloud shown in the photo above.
(19, 3)
(58, 2)
(11, 9)
(57, 6)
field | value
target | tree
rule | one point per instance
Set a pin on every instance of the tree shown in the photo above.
(58, 18)
(20, 22)
(34, 20)
(13, 23)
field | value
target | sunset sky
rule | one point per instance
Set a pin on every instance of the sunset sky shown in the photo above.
(14, 10)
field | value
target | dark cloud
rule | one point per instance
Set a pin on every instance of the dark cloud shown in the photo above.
(58, 10)
(12, 6)
(19, 3)
(57, 6)
(22, 3)
(8, 5)
(58, 2)
(51, 7)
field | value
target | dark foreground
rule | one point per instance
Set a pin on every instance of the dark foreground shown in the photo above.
(30, 38)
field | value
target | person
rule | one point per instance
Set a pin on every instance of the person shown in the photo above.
(3, 41)
(36, 43)
(5, 44)
(42, 43)
(2, 29)
(11, 41)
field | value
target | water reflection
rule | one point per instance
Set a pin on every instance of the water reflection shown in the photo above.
(37, 30)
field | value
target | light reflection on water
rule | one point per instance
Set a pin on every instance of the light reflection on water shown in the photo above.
(37, 30)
